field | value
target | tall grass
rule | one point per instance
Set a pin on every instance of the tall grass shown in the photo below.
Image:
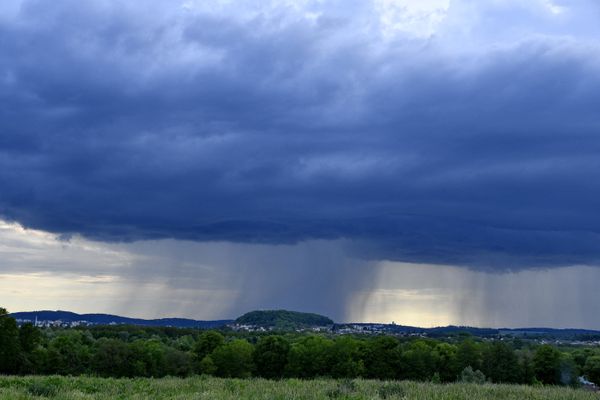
(55, 387)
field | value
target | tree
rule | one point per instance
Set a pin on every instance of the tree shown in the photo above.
(148, 357)
(234, 359)
(468, 354)
(29, 337)
(207, 343)
(580, 356)
(345, 358)
(446, 361)
(546, 364)
(592, 369)
(270, 356)
(527, 368)
(500, 363)
(177, 362)
(382, 358)
(112, 358)
(10, 348)
(68, 354)
(207, 366)
(418, 361)
(309, 357)
(569, 372)
(32, 356)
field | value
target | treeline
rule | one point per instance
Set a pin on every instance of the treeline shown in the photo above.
(153, 352)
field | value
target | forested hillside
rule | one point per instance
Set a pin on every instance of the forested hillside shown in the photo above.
(106, 319)
(283, 319)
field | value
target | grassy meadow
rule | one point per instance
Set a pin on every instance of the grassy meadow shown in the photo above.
(56, 387)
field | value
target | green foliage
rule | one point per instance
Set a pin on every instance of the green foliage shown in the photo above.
(32, 355)
(207, 366)
(345, 358)
(446, 363)
(177, 362)
(150, 352)
(546, 363)
(148, 357)
(112, 358)
(207, 343)
(419, 361)
(29, 337)
(270, 356)
(260, 389)
(527, 367)
(10, 347)
(344, 389)
(392, 390)
(283, 319)
(468, 354)
(500, 363)
(234, 359)
(569, 372)
(382, 358)
(309, 357)
(469, 376)
(581, 355)
(69, 354)
(592, 369)
(42, 389)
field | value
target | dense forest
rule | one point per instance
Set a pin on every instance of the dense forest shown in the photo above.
(128, 351)
(283, 319)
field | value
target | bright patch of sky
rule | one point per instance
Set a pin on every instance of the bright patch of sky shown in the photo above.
(419, 18)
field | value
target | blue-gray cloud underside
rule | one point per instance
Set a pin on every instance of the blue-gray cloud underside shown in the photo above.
(208, 128)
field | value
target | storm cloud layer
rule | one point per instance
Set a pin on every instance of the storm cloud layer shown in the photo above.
(444, 136)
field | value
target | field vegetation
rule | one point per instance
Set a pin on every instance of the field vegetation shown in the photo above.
(202, 387)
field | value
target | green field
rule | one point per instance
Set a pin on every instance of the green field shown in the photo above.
(215, 388)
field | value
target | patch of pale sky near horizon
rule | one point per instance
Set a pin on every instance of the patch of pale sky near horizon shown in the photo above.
(433, 295)
(222, 280)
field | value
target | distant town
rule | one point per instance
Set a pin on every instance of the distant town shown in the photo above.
(65, 319)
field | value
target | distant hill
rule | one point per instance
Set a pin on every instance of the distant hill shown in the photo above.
(553, 333)
(283, 319)
(447, 331)
(108, 319)
(289, 320)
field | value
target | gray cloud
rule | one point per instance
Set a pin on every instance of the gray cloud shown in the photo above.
(124, 123)
(175, 277)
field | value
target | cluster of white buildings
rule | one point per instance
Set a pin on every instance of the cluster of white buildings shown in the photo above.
(374, 329)
(344, 329)
(55, 323)
(257, 328)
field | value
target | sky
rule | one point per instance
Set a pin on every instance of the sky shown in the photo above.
(427, 163)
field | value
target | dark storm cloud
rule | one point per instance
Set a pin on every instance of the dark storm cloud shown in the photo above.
(121, 123)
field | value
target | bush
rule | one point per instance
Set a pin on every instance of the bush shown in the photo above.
(390, 390)
(344, 389)
(469, 376)
(42, 389)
